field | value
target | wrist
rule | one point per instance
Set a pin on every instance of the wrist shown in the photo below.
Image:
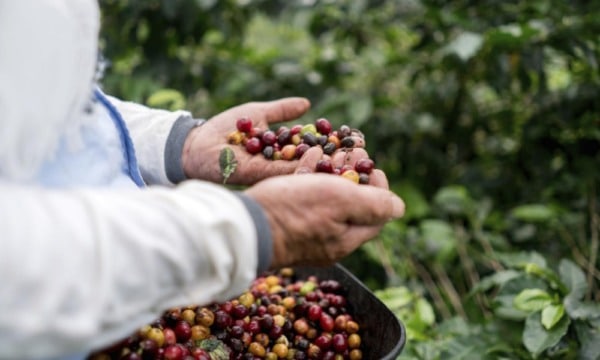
(177, 148)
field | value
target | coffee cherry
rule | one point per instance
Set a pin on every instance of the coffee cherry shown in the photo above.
(301, 149)
(323, 126)
(355, 354)
(352, 327)
(288, 152)
(364, 166)
(170, 337)
(314, 312)
(183, 331)
(344, 131)
(310, 139)
(351, 175)
(269, 137)
(296, 129)
(308, 128)
(268, 152)
(254, 145)
(199, 332)
(339, 343)
(205, 317)
(326, 322)
(363, 178)
(324, 166)
(354, 341)
(257, 349)
(156, 335)
(173, 352)
(149, 349)
(284, 138)
(244, 124)
(323, 341)
(347, 142)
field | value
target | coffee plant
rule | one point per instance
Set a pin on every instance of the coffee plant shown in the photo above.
(484, 115)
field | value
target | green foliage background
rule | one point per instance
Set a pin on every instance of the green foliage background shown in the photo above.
(485, 116)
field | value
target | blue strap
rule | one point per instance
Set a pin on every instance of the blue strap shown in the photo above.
(131, 167)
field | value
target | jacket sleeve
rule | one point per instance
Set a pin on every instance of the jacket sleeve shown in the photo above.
(83, 268)
(158, 137)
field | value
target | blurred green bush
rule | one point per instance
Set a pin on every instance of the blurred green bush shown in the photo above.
(485, 116)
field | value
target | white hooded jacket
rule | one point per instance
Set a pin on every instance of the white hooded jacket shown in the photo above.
(86, 256)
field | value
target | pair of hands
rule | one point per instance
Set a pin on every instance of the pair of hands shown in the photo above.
(315, 218)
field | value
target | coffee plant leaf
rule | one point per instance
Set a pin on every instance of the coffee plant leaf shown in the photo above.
(227, 163)
(537, 339)
(531, 300)
(573, 278)
(552, 314)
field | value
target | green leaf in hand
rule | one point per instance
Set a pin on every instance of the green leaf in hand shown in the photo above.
(227, 163)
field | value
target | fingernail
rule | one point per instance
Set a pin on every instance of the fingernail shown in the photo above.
(398, 207)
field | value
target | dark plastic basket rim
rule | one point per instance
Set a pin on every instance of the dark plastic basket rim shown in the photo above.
(399, 346)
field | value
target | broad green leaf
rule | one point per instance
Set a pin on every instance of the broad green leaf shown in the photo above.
(573, 278)
(533, 213)
(504, 308)
(547, 274)
(168, 99)
(438, 238)
(395, 297)
(537, 339)
(454, 200)
(521, 259)
(227, 163)
(551, 315)
(531, 300)
(497, 279)
(419, 207)
(589, 338)
(425, 311)
(581, 309)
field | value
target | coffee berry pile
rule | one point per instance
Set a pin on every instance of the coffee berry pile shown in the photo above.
(278, 317)
(290, 143)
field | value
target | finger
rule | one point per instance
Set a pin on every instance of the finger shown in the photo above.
(359, 142)
(378, 178)
(377, 206)
(285, 109)
(349, 157)
(308, 162)
(356, 235)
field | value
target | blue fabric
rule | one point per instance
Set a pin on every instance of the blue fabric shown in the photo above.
(131, 166)
(98, 154)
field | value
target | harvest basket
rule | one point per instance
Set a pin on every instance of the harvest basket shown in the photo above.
(383, 335)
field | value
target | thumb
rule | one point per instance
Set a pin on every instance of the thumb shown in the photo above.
(285, 109)
(308, 162)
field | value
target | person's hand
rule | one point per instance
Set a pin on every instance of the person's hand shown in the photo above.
(320, 218)
(203, 145)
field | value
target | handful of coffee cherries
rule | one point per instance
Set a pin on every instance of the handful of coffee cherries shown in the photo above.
(280, 316)
(290, 143)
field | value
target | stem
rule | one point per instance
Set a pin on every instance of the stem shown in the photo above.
(438, 300)
(594, 241)
(578, 256)
(468, 266)
(385, 259)
(450, 290)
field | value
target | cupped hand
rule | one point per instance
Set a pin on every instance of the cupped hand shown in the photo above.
(204, 144)
(320, 218)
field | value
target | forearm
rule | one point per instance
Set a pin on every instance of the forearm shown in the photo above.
(68, 289)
